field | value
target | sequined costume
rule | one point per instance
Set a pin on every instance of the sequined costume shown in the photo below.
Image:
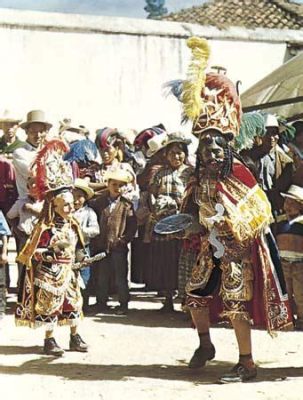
(51, 291)
(247, 274)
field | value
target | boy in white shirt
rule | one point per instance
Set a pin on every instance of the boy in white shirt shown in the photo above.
(88, 222)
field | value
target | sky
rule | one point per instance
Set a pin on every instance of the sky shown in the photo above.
(123, 8)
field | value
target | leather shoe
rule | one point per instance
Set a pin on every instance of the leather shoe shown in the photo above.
(122, 309)
(51, 348)
(76, 343)
(201, 355)
(239, 373)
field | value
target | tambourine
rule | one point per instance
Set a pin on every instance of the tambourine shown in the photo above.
(173, 224)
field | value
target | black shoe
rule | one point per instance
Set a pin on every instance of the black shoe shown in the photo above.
(77, 344)
(122, 309)
(168, 306)
(51, 348)
(103, 307)
(239, 373)
(201, 355)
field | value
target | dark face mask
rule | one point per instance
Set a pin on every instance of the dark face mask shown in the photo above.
(211, 150)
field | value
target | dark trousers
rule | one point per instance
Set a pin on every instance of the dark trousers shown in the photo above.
(21, 238)
(117, 262)
(2, 289)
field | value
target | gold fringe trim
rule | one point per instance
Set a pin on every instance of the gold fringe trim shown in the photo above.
(24, 323)
(237, 315)
(51, 289)
(196, 76)
(69, 322)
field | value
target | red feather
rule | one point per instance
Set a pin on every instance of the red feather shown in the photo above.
(40, 162)
(220, 81)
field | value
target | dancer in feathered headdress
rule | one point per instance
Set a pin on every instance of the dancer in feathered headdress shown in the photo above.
(51, 293)
(237, 253)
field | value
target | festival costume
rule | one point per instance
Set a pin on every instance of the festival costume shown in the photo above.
(238, 254)
(248, 276)
(51, 292)
(237, 274)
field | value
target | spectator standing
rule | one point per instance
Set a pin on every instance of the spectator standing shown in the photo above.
(166, 194)
(4, 234)
(23, 216)
(88, 222)
(290, 243)
(36, 128)
(118, 227)
(9, 141)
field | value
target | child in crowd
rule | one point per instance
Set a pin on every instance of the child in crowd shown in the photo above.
(23, 216)
(290, 243)
(88, 221)
(4, 233)
(118, 226)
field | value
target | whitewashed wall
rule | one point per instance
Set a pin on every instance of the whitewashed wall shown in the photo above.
(105, 71)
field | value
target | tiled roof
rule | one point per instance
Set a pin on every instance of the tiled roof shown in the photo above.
(271, 14)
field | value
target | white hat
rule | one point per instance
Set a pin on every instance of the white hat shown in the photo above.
(119, 174)
(294, 192)
(156, 143)
(271, 120)
(71, 137)
(129, 135)
(7, 118)
(82, 184)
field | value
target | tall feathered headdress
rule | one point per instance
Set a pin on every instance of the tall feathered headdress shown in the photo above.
(210, 100)
(50, 170)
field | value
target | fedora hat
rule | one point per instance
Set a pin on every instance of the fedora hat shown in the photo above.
(294, 192)
(7, 118)
(178, 137)
(156, 143)
(82, 184)
(35, 116)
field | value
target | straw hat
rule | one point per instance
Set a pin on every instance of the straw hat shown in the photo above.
(119, 174)
(156, 143)
(82, 184)
(294, 192)
(35, 116)
(7, 118)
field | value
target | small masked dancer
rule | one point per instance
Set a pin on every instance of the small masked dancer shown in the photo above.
(51, 293)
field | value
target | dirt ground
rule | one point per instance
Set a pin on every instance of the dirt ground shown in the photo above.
(143, 356)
